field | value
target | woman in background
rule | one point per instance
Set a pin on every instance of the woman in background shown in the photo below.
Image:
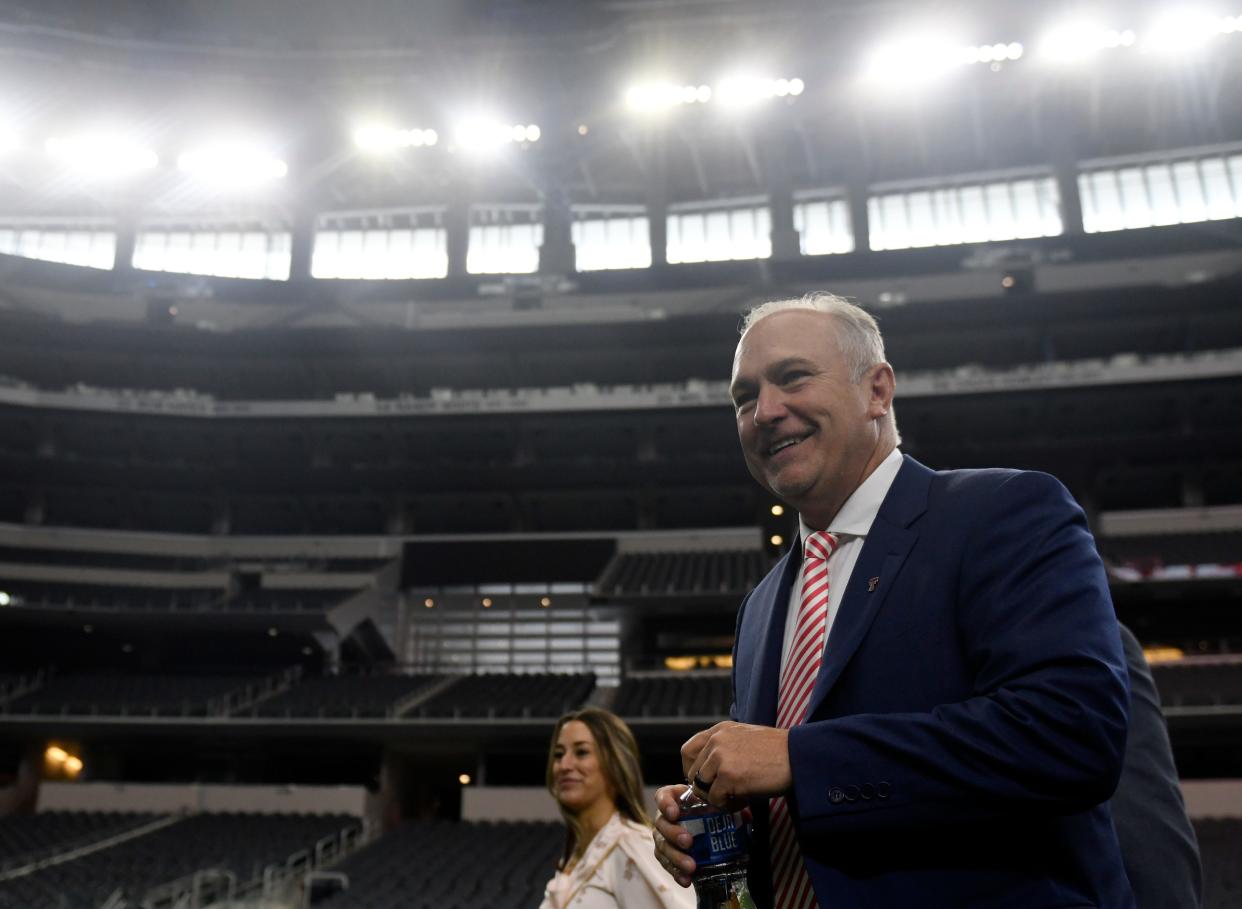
(595, 777)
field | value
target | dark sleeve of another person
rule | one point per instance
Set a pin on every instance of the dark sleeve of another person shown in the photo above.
(1158, 844)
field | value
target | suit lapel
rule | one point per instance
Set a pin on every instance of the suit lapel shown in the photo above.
(888, 544)
(761, 705)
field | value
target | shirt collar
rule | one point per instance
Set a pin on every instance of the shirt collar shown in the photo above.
(858, 513)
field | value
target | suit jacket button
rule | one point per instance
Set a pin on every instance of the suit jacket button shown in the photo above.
(883, 789)
(867, 792)
(851, 793)
(836, 796)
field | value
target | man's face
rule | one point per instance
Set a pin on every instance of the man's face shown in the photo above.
(808, 433)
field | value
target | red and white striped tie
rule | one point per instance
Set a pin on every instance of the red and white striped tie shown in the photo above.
(790, 881)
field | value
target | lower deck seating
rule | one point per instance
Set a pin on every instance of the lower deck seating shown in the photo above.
(29, 838)
(242, 844)
(448, 865)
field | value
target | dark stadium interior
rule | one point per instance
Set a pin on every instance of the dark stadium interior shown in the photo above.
(297, 572)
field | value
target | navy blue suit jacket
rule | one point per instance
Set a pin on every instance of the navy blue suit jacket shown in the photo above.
(969, 720)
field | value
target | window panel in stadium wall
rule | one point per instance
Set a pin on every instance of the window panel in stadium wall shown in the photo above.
(222, 253)
(1191, 189)
(91, 247)
(990, 210)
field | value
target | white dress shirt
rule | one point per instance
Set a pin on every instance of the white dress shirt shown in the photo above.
(851, 526)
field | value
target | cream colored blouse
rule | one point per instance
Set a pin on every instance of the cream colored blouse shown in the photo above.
(618, 871)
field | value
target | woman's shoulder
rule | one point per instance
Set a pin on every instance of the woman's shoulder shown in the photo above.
(630, 830)
(639, 873)
(633, 837)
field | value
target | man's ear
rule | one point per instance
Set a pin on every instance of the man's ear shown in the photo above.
(881, 386)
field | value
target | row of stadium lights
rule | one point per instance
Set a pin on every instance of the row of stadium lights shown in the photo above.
(739, 91)
(915, 59)
(910, 62)
(487, 602)
(108, 155)
(472, 135)
(245, 163)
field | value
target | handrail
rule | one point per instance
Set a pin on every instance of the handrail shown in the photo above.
(187, 891)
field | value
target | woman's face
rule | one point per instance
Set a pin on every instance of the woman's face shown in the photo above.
(577, 776)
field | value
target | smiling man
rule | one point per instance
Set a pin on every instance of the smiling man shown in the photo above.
(929, 689)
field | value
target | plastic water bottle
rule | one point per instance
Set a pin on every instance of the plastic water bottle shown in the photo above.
(721, 850)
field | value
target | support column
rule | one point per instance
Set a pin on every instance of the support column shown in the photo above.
(556, 255)
(457, 225)
(126, 239)
(301, 244)
(553, 163)
(1071, 201)
(657, 197)
(786, 243)
(860, 222)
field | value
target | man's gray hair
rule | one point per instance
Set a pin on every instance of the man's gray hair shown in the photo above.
(862, 345)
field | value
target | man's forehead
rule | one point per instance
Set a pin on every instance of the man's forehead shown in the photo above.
(808, 334)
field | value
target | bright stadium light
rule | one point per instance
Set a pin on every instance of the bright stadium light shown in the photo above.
(992, 53)
(655, 96)
(380, 138)
(482, 135)
(919, 59)
(746, 90)
(1077, 42)
(1183, 31)
(101, 154)
(232, 163)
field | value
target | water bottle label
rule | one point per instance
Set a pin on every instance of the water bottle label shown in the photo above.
(718, 839)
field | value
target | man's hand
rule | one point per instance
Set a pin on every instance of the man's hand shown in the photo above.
(671, 840)
(734, 762)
